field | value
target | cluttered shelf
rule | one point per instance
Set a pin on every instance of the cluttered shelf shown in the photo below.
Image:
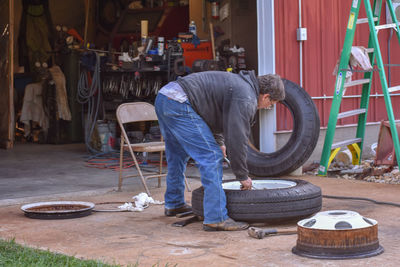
(135, 85)
(140, 79)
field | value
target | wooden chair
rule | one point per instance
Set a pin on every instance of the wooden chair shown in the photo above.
(136, 112)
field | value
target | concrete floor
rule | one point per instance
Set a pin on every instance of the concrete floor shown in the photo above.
(31, 171)
(41, 173)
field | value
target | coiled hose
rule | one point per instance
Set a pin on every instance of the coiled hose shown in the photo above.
(90, 96)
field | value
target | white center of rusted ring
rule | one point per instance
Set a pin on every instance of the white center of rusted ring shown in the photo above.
(337, 220)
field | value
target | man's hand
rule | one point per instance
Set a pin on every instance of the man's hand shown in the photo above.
(246, 184)
(223, 149)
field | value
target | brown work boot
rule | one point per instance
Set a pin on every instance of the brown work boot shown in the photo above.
(227, 225)
(174, 212)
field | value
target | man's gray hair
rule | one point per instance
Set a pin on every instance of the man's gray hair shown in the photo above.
(272, 84)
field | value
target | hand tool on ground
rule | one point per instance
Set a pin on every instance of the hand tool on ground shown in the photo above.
(261, 233)
(184, 214)
(186, 221)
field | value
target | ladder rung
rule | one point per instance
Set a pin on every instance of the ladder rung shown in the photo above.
(351, 113)
(386, 26)
(394, 88)
(356, 82)
(360, 71)
(365, 20)
(346, 143)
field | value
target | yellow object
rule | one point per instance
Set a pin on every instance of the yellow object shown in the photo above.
(333, 155)
(351, 21)
(229, 69)
(144, 27)
(355, 153)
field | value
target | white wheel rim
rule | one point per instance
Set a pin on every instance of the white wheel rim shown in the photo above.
(261, 184)
(332, 219)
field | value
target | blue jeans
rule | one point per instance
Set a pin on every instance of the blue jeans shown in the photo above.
(188, 136)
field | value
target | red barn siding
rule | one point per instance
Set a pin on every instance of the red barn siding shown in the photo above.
(326, 23)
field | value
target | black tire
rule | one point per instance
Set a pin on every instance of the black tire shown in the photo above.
(301, 143)
(268, 205)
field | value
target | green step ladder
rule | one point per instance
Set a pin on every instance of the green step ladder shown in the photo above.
(355, 145)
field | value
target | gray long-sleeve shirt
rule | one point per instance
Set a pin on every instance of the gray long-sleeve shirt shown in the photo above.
(227, 102)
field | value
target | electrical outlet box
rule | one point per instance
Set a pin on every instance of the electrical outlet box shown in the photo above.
(396, 7)
(301, 34)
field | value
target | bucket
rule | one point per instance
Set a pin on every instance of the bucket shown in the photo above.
(345, 157)
(107, 135)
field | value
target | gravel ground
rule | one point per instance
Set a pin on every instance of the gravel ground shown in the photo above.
(367, 171)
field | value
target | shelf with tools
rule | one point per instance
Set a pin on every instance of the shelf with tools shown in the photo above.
(130, 86)
(140, 80)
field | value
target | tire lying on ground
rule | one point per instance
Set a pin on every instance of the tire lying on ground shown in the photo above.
(271, 200)
(301, 143)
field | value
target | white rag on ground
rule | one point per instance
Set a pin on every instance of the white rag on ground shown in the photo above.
(142, 201)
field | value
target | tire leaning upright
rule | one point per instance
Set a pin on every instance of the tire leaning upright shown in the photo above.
(301, 143)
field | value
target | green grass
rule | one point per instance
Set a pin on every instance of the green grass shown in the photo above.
(14, 255)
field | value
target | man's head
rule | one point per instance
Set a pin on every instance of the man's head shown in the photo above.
(272, 90)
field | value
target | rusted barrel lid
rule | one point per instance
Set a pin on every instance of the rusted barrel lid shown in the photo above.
(337, 234)
(57, 209)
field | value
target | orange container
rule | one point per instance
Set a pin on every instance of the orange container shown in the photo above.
(192, 53)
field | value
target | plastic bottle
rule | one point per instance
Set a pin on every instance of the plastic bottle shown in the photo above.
(144, 158)
(192, 27)
(160, 46)
(215, 9)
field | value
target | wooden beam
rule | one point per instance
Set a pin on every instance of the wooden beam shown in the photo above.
(85, 36)
(11, 116)
(212, 40)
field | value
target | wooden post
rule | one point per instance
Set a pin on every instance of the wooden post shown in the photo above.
(85, 37)
(11, 123)
(204, 15)
(212, 40)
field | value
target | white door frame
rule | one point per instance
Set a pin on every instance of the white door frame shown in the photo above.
(266, 65)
